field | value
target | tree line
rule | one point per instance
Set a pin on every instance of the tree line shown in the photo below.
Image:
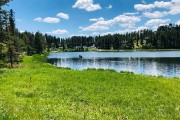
(166, 37)
(13, 44)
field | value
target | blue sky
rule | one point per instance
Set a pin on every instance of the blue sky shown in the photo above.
(66, 18)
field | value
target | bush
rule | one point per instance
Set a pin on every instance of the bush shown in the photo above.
(126, 72)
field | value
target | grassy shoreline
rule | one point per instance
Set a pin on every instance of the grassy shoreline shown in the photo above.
(41, 91)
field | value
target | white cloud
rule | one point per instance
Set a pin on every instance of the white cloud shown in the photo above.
(141, 7)
(122, 20)
(126, 21)
(178, 22)
(163, 4)
(38, 19)
(131, 13)
(58, 31)
(176, 1)
(156, 22)
(105, 22)
(63, 15)
(51, 20)
(47, 20)
(173, 7)
(109, 7)
(94, 28)
(156, 4)
(96, 19)
(156, 14)
(87, 5)
(175, 10)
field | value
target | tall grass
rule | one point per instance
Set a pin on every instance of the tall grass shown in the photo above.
(39, 91)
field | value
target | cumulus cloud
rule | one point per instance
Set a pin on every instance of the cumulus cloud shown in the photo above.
(163, 4)
(141, 7)
(96, 19)
(156, 22)
(63, 15)
(176, 1)
(51, 20)
(156, 14)
(131, 13)
(105, 22)
(175, 10)
(156, 4)
(126, 21)
(124, 31)
(47, 20)
(94, 28)
(122, 20)
(87, 5)
(58, 31)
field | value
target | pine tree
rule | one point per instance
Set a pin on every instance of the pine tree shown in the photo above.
(6, 48)
(39, 43)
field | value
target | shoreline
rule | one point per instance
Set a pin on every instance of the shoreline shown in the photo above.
(121, 50)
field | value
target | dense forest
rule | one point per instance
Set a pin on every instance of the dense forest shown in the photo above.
(166, 37)
(13, 44)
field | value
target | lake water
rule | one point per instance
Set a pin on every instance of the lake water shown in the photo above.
(156, 63)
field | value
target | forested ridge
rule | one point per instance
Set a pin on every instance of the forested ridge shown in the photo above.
(13, 44)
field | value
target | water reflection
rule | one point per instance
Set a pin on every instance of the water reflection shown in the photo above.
(168, 67)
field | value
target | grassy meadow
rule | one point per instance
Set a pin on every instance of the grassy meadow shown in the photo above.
(40, 91)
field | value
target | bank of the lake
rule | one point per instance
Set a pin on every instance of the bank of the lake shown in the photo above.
(41, 91)
(131, 50)
(112, 50)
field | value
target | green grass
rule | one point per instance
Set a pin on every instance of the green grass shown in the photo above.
(57, 93)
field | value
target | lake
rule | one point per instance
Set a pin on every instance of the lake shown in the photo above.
(156, 63)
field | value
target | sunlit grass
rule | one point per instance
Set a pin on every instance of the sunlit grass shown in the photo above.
(42, 91)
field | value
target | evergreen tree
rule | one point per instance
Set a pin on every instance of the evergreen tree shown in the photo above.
(39, 43)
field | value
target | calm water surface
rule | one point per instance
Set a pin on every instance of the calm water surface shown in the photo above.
(156, 63)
